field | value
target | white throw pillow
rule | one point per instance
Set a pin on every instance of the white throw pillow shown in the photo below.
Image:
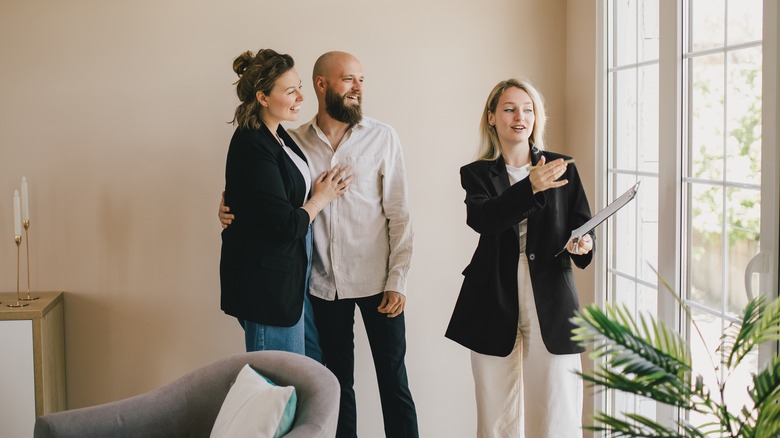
(255, 408)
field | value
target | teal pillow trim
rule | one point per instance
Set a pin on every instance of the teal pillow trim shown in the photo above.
(288, 417)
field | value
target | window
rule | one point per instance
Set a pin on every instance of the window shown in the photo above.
(721, 175)
(632, 155)
(683, 113)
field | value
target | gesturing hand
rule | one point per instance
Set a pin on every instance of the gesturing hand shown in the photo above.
(544, 175)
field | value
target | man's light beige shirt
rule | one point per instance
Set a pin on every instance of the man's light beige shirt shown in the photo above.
(363, 239)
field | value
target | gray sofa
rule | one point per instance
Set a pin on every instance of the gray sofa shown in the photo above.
(188, 406)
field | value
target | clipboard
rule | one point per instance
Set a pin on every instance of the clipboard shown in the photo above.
(603, 215)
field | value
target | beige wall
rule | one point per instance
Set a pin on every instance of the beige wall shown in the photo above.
(116, 111)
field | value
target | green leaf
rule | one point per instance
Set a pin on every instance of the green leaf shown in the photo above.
(641, 356)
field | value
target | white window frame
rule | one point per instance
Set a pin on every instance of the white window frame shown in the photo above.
(671, 127)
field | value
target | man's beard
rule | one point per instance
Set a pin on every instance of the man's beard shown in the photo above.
(336, 108)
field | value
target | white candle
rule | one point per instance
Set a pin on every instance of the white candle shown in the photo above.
(25, 203)
(17, 215)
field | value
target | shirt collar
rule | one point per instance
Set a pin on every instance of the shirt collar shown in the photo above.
(313, 124)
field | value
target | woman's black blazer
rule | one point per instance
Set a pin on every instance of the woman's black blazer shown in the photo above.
(263, 263)
(486, 313)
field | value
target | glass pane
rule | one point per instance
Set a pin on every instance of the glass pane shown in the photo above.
(610, 35)
(744, 215)
(738, 382)
(648, 28)
(612, 162)
(629, 403)
(703, 355)
(647, 299)
(724, 116)
(643, 300)
(708, 24)
(743, 123)
(706, 254)
(707, 117)
(745, 21)
(625, 293)
(624, 226)
(625, 120)
(648, 119)
(625, 31)
(647, 202)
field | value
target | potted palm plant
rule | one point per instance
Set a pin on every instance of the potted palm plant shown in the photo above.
(646, 358)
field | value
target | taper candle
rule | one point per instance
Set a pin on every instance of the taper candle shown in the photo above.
(25, 202)
(17, 215)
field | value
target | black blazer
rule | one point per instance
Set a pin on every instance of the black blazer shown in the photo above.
(263, 264)
(486, 314)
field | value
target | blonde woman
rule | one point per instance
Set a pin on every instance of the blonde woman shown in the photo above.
(518, 292)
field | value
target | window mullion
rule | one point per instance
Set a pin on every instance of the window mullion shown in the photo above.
(670, 136)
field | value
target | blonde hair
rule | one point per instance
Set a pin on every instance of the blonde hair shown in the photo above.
(489, 145)
(256, 73)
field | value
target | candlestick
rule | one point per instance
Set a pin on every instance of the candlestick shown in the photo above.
(18, 241)
(26, 225)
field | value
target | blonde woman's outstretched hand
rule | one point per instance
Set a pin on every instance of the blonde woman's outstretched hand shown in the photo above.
(544, 175)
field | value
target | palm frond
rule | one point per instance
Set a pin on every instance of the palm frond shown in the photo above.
(654, 364)
(618, 341)
(767, 423)
(635, 426)
(684, 307)
(641, 356)
(766, 383)
(760, 323)
(671, 392)
(739, 338)
(765, 393)
(700, 430)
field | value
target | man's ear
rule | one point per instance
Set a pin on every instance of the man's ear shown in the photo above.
(319, 84)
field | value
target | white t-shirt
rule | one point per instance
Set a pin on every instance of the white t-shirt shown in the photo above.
(517, 174)
(302, 167)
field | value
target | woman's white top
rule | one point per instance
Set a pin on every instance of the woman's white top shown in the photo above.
(302, 167)
(518, 174)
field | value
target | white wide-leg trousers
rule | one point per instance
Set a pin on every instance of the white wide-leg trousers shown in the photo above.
(530, 393)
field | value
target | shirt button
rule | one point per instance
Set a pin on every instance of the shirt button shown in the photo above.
(531, 256)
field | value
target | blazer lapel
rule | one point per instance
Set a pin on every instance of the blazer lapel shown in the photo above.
(292, 179)
(533, 220)
(500, 179)
(536, 155)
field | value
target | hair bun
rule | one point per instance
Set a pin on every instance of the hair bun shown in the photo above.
(243, 62)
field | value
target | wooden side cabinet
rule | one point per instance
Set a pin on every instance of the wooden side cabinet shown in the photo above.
(32, 360)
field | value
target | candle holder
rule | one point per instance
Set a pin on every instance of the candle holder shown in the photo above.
(26, 225)
(18, 240)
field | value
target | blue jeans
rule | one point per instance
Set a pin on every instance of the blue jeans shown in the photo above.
(312, 338)
(301, 338)
(259, 337)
